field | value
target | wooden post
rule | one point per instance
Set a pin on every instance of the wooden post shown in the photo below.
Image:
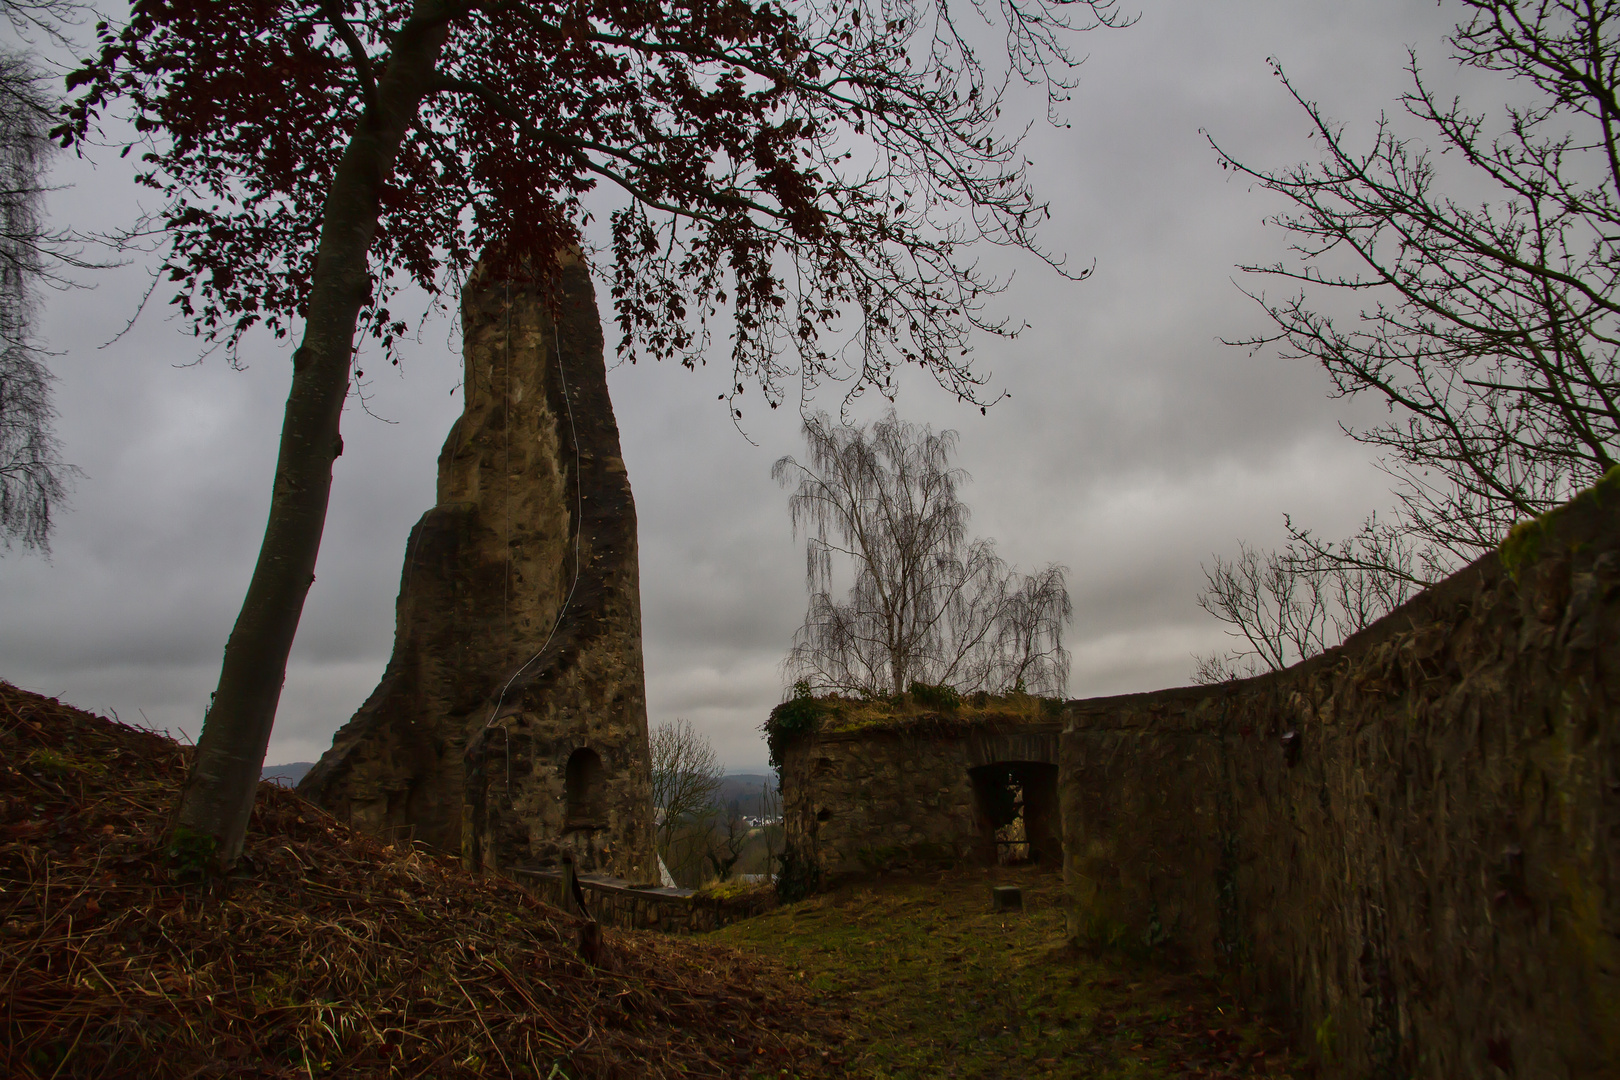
(569, 887)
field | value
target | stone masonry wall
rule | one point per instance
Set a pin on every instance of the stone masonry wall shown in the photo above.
(518, 638)
(1410, 843)
(898, 797)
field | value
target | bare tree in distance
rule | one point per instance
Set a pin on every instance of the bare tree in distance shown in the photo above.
(33, 478)
(1028, 651)
(1276, 612)
(1490, 328)
(1287, 606)
(926, 605)
(685, 779)
(726, 842)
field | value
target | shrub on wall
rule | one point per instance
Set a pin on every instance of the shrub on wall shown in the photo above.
(944, 698)
(795, 716)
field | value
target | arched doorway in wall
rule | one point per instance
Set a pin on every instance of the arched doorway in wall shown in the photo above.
(584, 791)
(1016, 805)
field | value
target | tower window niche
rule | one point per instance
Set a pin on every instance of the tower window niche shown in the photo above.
(584, 790)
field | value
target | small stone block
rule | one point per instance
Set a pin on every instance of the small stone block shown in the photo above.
(1006, 898)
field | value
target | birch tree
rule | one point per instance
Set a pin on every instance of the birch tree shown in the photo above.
(925, 604)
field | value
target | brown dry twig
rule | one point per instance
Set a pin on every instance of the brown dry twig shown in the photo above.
(331, 955)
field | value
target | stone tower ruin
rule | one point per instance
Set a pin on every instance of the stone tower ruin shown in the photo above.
(511, 723)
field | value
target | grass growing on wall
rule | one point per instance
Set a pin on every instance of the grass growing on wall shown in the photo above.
(923, 706)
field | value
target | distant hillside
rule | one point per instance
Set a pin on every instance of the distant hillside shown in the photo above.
(744, 789)
(286, 775)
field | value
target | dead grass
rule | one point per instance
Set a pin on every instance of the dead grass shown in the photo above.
(328, 954)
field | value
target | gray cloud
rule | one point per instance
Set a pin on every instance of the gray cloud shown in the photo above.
(1134, 444)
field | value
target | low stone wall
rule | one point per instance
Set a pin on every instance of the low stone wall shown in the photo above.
(1411, 844)
(613, 902)
(900, 797)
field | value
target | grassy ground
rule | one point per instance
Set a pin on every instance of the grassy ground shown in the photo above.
(927, 982)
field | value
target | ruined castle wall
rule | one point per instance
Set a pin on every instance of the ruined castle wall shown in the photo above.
(518, 626)
(860, 803)
(897, 798)
(1411, 843)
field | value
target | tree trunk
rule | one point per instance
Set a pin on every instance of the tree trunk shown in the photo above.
(218, 797)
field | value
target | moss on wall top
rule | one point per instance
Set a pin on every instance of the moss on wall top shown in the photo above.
(1523, 542)
(923, 708)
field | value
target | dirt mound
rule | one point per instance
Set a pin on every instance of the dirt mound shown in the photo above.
(328, 953)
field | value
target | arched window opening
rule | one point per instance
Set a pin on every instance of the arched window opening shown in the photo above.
(584, 791)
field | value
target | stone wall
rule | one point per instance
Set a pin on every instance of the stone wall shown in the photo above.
(1411, 843)
(899, 795)
(510, 725)
(615, 902)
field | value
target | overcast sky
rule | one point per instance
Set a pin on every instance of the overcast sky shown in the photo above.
(1133, 447)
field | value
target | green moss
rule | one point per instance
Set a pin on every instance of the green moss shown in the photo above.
(798, 715)
(1584, 932)
(909, 710)
(923, 708)
(732, 890)
(191, 853)
(57, 765)
(1327, 1039)
(1521, 546)
(1523, 543)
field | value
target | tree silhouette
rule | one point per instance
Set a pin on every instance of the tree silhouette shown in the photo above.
(1489, 326)
(1489, 322)
(685, 778)
(816, 171)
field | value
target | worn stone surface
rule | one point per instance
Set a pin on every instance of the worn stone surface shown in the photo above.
(1411, 843)
(613, 902)
(901, 796)
(518, 626)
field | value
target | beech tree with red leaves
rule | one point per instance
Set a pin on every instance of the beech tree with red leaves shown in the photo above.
(818, 172)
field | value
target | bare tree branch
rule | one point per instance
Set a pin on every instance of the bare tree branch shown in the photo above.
(685, 779)
(1287, 606)
(1493, 331)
